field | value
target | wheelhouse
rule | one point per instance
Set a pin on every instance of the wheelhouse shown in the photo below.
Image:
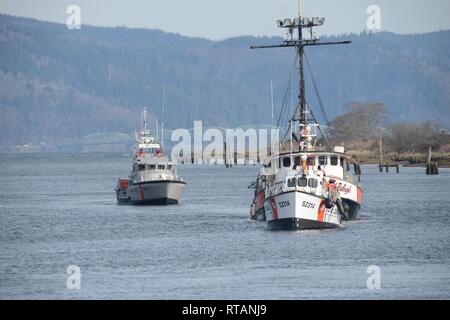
(333, 164)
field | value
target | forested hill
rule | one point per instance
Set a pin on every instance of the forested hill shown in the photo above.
(63, 84)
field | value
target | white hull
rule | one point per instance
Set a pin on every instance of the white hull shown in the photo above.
(297, 210)
(152, 193)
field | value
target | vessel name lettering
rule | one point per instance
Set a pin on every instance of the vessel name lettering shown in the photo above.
(344, 188)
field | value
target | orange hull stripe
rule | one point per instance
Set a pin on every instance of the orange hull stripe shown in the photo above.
(321, 213)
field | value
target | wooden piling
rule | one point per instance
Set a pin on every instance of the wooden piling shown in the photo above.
(381, 165)
(432, 167)
(380, 153)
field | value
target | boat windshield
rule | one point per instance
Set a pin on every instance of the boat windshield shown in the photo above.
(148, 150)
(141, 152)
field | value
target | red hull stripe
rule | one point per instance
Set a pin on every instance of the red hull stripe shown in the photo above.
(321, 213)
(141, 193)
(259, 201)
(360, 195)
(273, 204)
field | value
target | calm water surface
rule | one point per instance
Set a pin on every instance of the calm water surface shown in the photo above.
(60, 210)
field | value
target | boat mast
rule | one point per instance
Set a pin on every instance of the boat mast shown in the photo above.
(303, 118)
(271, 98)
(162, 122)
(145, 119)
(292, 26)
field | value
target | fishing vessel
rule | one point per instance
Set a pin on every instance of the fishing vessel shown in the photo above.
(153, 179)
(305, 182)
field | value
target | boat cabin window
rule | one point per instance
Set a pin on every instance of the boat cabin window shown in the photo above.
(313, 183)
(161, 166)
(302, 182)
(342, 162)
(310, 161)
(141, 167)
(286, 162)
(291, 183)
(169, 166)
(297, 162)
(151, 167)
(322, 160)
(334, 160)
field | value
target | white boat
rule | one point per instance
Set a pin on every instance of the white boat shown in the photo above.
(307, 189)
(153, 179)
(303, 185)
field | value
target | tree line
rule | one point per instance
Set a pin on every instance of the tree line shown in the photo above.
(360, 127)
(57, 84)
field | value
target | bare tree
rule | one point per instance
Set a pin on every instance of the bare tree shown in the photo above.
(412, 137)
(360, 122)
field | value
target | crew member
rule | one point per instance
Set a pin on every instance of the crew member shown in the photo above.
(332, 190)
(304, 164)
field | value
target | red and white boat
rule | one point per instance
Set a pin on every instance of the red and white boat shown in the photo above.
(305, 185)
(153, 179)
(307, 189)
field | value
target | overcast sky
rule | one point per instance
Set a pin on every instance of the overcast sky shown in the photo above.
(216, 19)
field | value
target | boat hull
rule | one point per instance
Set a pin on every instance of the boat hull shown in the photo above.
(257, 208)
(354, 206)
(353, 212)
(351, 195)
(293, 224)
(297, 210)
(164, 192)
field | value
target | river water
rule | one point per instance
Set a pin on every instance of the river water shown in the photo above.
(58, 210)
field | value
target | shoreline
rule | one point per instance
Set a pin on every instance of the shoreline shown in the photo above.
(407, 165)
(406, 159)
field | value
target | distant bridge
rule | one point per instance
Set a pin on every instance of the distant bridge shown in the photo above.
(107, 138)
(99, 139)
